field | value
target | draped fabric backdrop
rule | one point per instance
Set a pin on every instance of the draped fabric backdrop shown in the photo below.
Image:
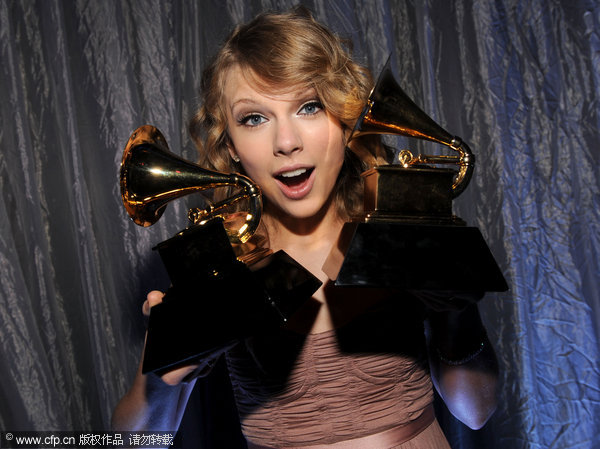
(518, 80)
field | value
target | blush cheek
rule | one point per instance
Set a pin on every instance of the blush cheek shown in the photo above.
(336, 153)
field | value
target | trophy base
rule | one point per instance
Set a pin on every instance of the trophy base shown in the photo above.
(432, 220)
(414, 191)
(414, 256)
(216, 300)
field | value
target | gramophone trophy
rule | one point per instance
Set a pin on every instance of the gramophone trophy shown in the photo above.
(225, 285)
(408, 237)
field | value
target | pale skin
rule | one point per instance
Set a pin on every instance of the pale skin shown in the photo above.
(290, 133)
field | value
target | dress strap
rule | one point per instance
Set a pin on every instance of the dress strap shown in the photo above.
(386, 439)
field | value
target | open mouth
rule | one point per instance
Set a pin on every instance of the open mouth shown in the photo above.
(296, 184)
(295, 178)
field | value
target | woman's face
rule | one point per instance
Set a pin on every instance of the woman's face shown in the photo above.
(287, 143)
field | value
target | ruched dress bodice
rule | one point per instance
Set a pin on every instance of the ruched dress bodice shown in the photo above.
(364, 378)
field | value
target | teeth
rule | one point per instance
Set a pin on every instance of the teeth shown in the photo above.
(291, 174)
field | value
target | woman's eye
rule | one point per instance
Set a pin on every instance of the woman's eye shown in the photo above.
(311, 108)
(252, 120)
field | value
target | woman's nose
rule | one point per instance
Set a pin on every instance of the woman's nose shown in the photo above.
(288, 138)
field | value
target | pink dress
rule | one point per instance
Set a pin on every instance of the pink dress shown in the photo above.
(364, 385)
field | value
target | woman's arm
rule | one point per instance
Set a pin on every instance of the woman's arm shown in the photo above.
(152, 404)
(464, 367)
(156, 403)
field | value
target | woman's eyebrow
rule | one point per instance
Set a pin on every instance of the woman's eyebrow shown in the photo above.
(241, 102)
(299, 97)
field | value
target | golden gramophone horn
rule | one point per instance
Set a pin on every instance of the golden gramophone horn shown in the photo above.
(151, 176)
(390, 111)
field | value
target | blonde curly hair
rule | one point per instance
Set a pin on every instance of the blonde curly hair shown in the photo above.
(279, 50)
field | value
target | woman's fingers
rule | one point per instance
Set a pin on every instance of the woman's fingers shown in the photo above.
(153, 298)
(178, 375)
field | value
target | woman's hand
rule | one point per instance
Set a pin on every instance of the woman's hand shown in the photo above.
(153, 402)
(153, 298)
(463, 364)
(177, 375)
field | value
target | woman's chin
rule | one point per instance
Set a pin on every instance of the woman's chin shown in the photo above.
(302, 212)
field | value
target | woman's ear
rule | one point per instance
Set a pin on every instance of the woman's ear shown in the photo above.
(232, 152)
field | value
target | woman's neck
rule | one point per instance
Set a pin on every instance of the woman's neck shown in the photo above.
(311, 234)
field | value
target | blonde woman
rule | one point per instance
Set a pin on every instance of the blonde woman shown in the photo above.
(353, 368)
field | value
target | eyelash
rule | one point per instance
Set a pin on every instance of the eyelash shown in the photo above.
(245, 119)
(314, 103)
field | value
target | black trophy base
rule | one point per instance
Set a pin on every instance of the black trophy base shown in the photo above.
(216, 300)
(415, 257)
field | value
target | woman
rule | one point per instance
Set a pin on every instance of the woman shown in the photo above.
(352, 368)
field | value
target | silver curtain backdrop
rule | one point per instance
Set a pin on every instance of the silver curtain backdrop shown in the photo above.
(518, 80)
